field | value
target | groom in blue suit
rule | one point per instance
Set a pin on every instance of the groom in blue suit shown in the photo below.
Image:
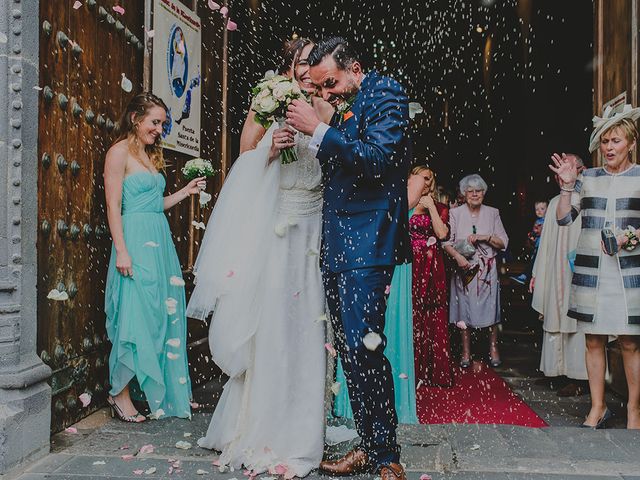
(365, 158)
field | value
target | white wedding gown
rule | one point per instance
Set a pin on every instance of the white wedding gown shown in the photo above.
(269, 339)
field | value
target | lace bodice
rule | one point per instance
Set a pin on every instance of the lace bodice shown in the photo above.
(300, 191)
(304, 174)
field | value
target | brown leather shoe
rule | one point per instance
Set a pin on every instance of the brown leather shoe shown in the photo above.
(356, 461)
(393, 471)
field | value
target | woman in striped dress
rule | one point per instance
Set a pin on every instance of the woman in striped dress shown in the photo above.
(605, 288)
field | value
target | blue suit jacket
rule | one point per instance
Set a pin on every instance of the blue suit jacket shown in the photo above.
(365, 163)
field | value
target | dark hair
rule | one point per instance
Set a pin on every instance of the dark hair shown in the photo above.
(291, 53)
(338, 47)
(138, 107)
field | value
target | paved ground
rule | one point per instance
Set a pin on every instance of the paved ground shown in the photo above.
(560, 451)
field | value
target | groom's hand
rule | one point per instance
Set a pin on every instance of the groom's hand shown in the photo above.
(302, 117)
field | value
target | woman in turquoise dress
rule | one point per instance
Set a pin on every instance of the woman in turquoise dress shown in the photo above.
(399, 333)
(144, 297)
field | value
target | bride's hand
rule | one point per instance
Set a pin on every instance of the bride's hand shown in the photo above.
(195, 186)
(282, 138)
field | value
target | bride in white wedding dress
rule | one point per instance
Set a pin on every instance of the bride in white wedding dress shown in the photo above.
(258, 272)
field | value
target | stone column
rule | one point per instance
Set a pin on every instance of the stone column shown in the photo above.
(25, 397)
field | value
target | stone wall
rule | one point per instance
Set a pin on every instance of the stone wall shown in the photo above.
(25, 396)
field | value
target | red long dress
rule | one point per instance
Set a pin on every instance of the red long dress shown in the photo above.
(430, 307)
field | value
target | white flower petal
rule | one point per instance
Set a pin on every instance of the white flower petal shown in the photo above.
(85, 398)
(372, 341)
(414, 109)
(182, 380)
(174, 342)
(99, 462)
(431, 241)
(150, 471)
(198, 225)
(151, 244)
(57, 295)
(281, 230)
(172, 305)
(176, 281)
(204, 198)
(126, 84)
(181, 444)
(201, 472)
(173, 356)
(335, 388)
(403, 376)
(157, 414)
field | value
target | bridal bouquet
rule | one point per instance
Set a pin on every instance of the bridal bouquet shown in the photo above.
(271, 97)
(197, 167)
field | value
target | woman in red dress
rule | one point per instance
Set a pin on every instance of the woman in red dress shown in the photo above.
(429, 226)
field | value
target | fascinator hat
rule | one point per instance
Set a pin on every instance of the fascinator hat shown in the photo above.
(611, 116)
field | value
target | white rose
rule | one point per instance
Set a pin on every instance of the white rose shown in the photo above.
(268, 105)
(281, 90)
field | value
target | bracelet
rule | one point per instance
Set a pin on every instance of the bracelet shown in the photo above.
(572, 189)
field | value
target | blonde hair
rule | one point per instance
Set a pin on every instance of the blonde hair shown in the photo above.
(630, 131)
(434, 188)
(138, 108)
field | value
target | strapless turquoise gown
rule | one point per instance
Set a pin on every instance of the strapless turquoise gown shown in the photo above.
(146, 320)
(399, 332)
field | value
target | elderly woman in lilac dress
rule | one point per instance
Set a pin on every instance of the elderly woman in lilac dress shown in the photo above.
(477, 234)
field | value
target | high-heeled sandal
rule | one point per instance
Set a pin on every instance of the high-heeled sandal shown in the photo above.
(602, 423)
(116, 412)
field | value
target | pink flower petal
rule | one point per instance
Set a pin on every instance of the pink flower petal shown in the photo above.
(77, 5)
(71, 430)
(124, 447)
(387, 289)
(281, 469)
(213, 5)
(224, 11)
(146, 449)
(230, 274)
(216, 463)
(127, 457)
(85, 398)
(403, 376)
(425, 476)
(330, 349)
(431, 241)
(232, 26)
(138, 472)
(118, 9)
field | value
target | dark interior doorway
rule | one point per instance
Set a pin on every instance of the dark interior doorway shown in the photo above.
(503, 83)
